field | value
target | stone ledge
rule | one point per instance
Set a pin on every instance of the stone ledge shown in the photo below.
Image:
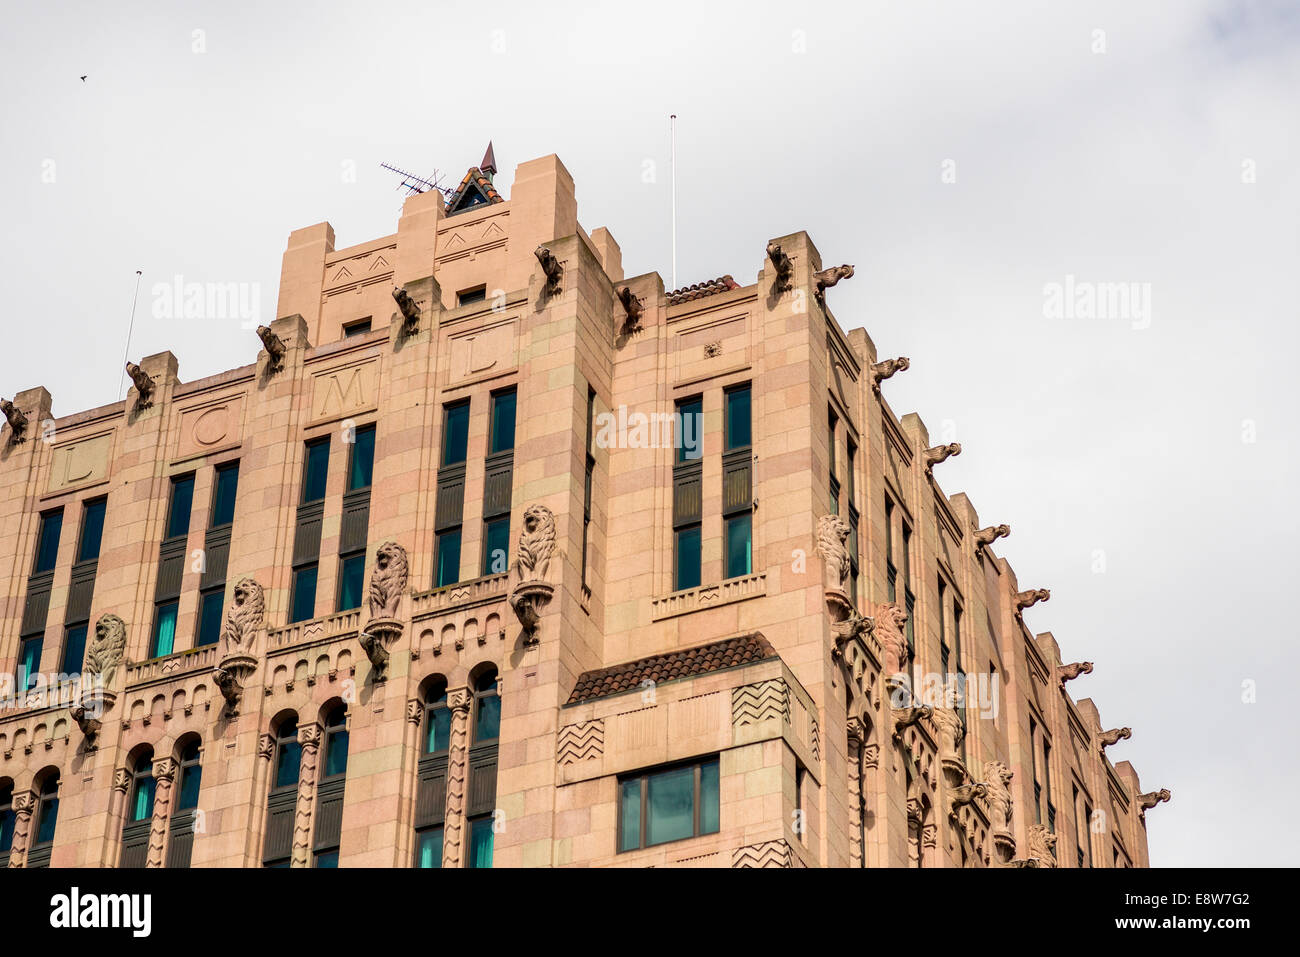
(708, 596)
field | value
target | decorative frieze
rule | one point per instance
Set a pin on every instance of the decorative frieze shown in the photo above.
(581, 742)
(767, 854)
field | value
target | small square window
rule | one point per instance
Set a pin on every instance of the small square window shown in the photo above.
(358, 327)
(467, 296)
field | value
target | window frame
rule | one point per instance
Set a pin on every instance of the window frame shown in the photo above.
(176, 482)
(46, 517)
(697, 764)
(100, 502)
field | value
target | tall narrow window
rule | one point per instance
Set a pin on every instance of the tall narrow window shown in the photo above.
(189, 777)
(138, 820)
(455, 433)
(832, 422)
(1047, 785)
(1033, 758)
(688, 477)
(668, 805)
(431, 789)
(503, 421)
(178, 511)
(355, 526)
(351, 579)
(496, 545)
(587, 480)
(942, 615)
(47, 542)
(450, 507)
(92, 530)
(46, 820)
(854, 521)
(329, 796)
(315, 470)
(891, 567)
(689, 421)
(29, 660)
(304, 594)
(223, 494)
(498, 484)
(448, 557)
(486, 730)
(737, 483)
(164, 629)
(7, 821)
(282, 802)
(361, 460)
(211, 603)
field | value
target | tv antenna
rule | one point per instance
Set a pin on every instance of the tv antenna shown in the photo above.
(418, 184)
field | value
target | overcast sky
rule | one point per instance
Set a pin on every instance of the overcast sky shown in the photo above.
(967, 158)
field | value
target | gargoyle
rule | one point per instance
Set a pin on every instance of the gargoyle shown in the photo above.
(829, 277)
(850, 628)
(967, 793)
(987, 536)
(884, 370)
(410, 311)
(1114, 736)
(1149, 800)
(551, 268)
(275, 348)
(784, 269)
(17, 421)
(144, 385)
(904, 718)
(1071, 671)
(1028, 599)
(632, 306)
(938, 454)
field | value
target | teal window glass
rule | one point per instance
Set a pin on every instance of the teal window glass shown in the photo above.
(480, 842)
(670, 806)
(164, 630)
(288, 755)
(496, 545)
(487, 709)
(740, 558)
(739, 423)
(315, 470)
(92, 530)
(351, 577)
(74, 650)
(455, 433)
(361, 464)
(178, 514)
(142, 800)
(304, 594)
(47, 542)
(191, 778)
(689, 430)
(48, 811)
(428, 848)
(211, 604)
(437, 734)
(223, 494)
(7, 819)
(448, 557)
(327, 859)
(629, 834)
(688, 558)
(29, 660)
(503, 421)
(336, 743)
(710, 797)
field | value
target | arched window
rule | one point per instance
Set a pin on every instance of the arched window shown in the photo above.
(329, 803)
(46, 820)
(482, 778)
(6, 821)
(282, 802)
(431, 776)
(189, 778)
(138, 820)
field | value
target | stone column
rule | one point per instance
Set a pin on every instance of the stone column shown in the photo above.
(309, 736)
(453, 828)
(854, 772)
(24, 804)
(164, 774)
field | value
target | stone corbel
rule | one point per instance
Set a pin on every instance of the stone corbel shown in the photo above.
(387, 584)
(529, 586)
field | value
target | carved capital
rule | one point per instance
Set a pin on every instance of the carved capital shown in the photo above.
(121, 779)
(415, 711)
(164, 769)
(309, 736)
(266, 746)
(458, 699)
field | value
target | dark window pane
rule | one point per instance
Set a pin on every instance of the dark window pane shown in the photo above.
(503, 421)
(496, 546)
(223, 496)
(455, 433)
(487, 723)
(49, 813)
(480, 842)
(471, 295)
(689, 430)
(164, 630)
(142, 800)
(304, 594)
(315, 471)
(449, 558)
(688, 558)
(47, 544)
(739, 545)
(670, 806)
(709, 797)
(6, 826)
(438, 735)
(738, 419)
(327, 859)
(288, 756)
(629, 834)
(74, 650)
(358, 328)
(29, 660)
(361, 465)
(428, 850)
(336, 752)
(178, 517)
(210, 606)
(191, 780)
(92, 530)
(351, 576)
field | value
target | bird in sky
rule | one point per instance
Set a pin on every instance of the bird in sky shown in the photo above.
(83, 79)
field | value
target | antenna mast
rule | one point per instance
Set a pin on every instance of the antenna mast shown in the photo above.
(126, 352)
(672, 131)
(417, 184)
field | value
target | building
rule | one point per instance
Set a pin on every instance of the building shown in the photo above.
(495, 556)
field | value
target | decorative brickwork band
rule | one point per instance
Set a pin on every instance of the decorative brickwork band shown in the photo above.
(458, 699)
(24, 803)
(164, 773)
(309, 737)
(767, 854)
(579, 742)
(752, 704)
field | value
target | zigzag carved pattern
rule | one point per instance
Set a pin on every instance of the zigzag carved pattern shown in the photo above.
(767, 854)
(456, 770)
(816, 738)
(581, 741)
(751, 704)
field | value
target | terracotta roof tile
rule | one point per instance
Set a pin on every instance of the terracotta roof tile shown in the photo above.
(686, 663)
(701, 290)
(480, 179)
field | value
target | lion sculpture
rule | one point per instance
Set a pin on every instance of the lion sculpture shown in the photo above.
(832, 535)
(244, 619)
(388, 580)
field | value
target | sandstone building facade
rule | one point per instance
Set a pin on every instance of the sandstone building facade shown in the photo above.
(497, 557)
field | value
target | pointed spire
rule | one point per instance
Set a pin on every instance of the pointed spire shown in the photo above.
(489, 164)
